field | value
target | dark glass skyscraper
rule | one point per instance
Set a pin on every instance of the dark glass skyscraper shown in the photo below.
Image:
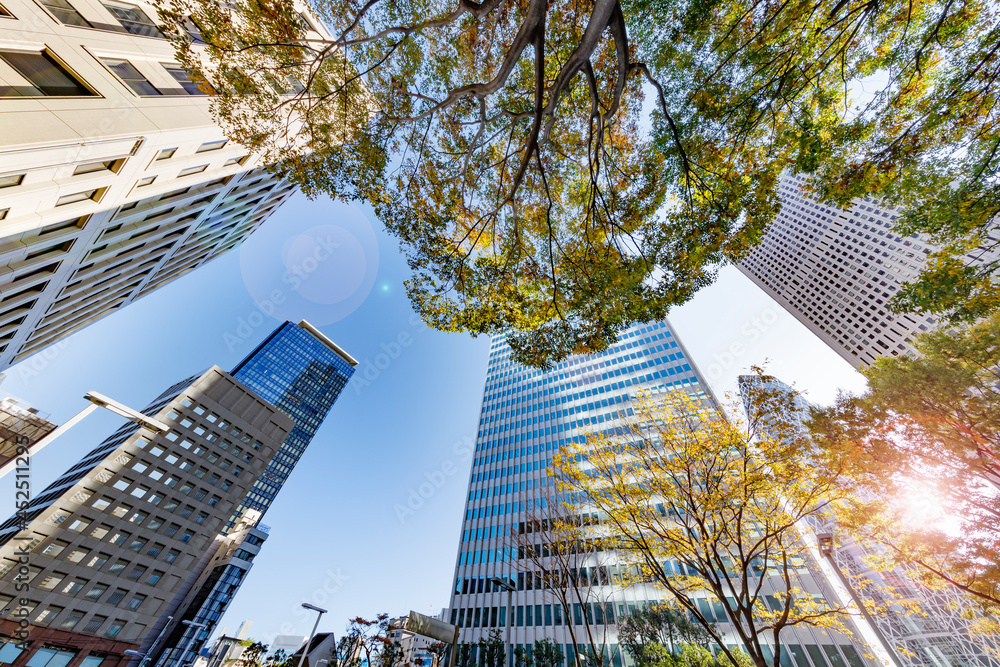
(301, 372)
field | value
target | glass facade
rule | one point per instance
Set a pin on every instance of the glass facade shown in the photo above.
(302, 375)
(526, 416)
(300, 372)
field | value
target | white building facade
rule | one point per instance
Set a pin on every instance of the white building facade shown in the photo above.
(114, 177)
(835, 270)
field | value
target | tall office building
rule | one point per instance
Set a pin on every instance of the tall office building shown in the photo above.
(835, 269)
(301, 372)
(20, 426)
(114, 177)
(930, 626)
(137, 536)
(527, 415)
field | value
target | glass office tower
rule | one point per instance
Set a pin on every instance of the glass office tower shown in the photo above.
(527, 415)
(301, 372)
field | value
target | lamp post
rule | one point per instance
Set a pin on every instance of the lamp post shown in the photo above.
(509, 587)
(96, 401)
(187, 645)
(319, 615)
(145, 656)
(827, 551)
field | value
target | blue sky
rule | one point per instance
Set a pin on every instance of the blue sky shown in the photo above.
(343, 534)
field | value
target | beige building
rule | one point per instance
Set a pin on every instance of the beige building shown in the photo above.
(124, 539)
(114, 178)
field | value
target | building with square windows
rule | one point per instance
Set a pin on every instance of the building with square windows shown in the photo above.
(835, 270)
(527, 415)
(149, 530)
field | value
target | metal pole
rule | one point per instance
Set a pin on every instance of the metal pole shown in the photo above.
(10, 465)
(187, 644)
(510, 612)
(155, 641)
(312, 634)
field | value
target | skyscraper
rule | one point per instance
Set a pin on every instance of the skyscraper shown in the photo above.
(301, 372)
(931, 626)
(114, 177)
(150, 529)
(528, 414)
(106, 548)
(835, 270)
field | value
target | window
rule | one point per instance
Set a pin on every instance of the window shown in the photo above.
(43, 74)
(93, 167)
(241, 160)
(116, 597)
(77, 555)
(53, 657)
(55, 548)
(65, 12)
(133, 19)
(49, 583)
(143, 182)
(6, 14)
(74, 587)
(96, 592)
(135, 602)
(43, 618)
(131, 77)
(94, 660)
(182, 77)
(94, 624)
(166, 154)
(92, 195)
(11, 181)
(204, 148)
(98, 561)
(9, 651)
(115, 628)
(187, 172)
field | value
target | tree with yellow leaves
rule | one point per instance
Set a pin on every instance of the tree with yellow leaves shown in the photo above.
(708, 507)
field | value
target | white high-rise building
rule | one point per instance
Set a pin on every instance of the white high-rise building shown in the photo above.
(527, 415)
(835, 269)
(114, 177)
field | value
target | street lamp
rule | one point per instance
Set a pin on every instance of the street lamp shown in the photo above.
(187, 646)
(509, 587)
(96, 401)
(145, 656)
(319, 615)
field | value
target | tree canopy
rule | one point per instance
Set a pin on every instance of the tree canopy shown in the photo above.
(562, 169)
